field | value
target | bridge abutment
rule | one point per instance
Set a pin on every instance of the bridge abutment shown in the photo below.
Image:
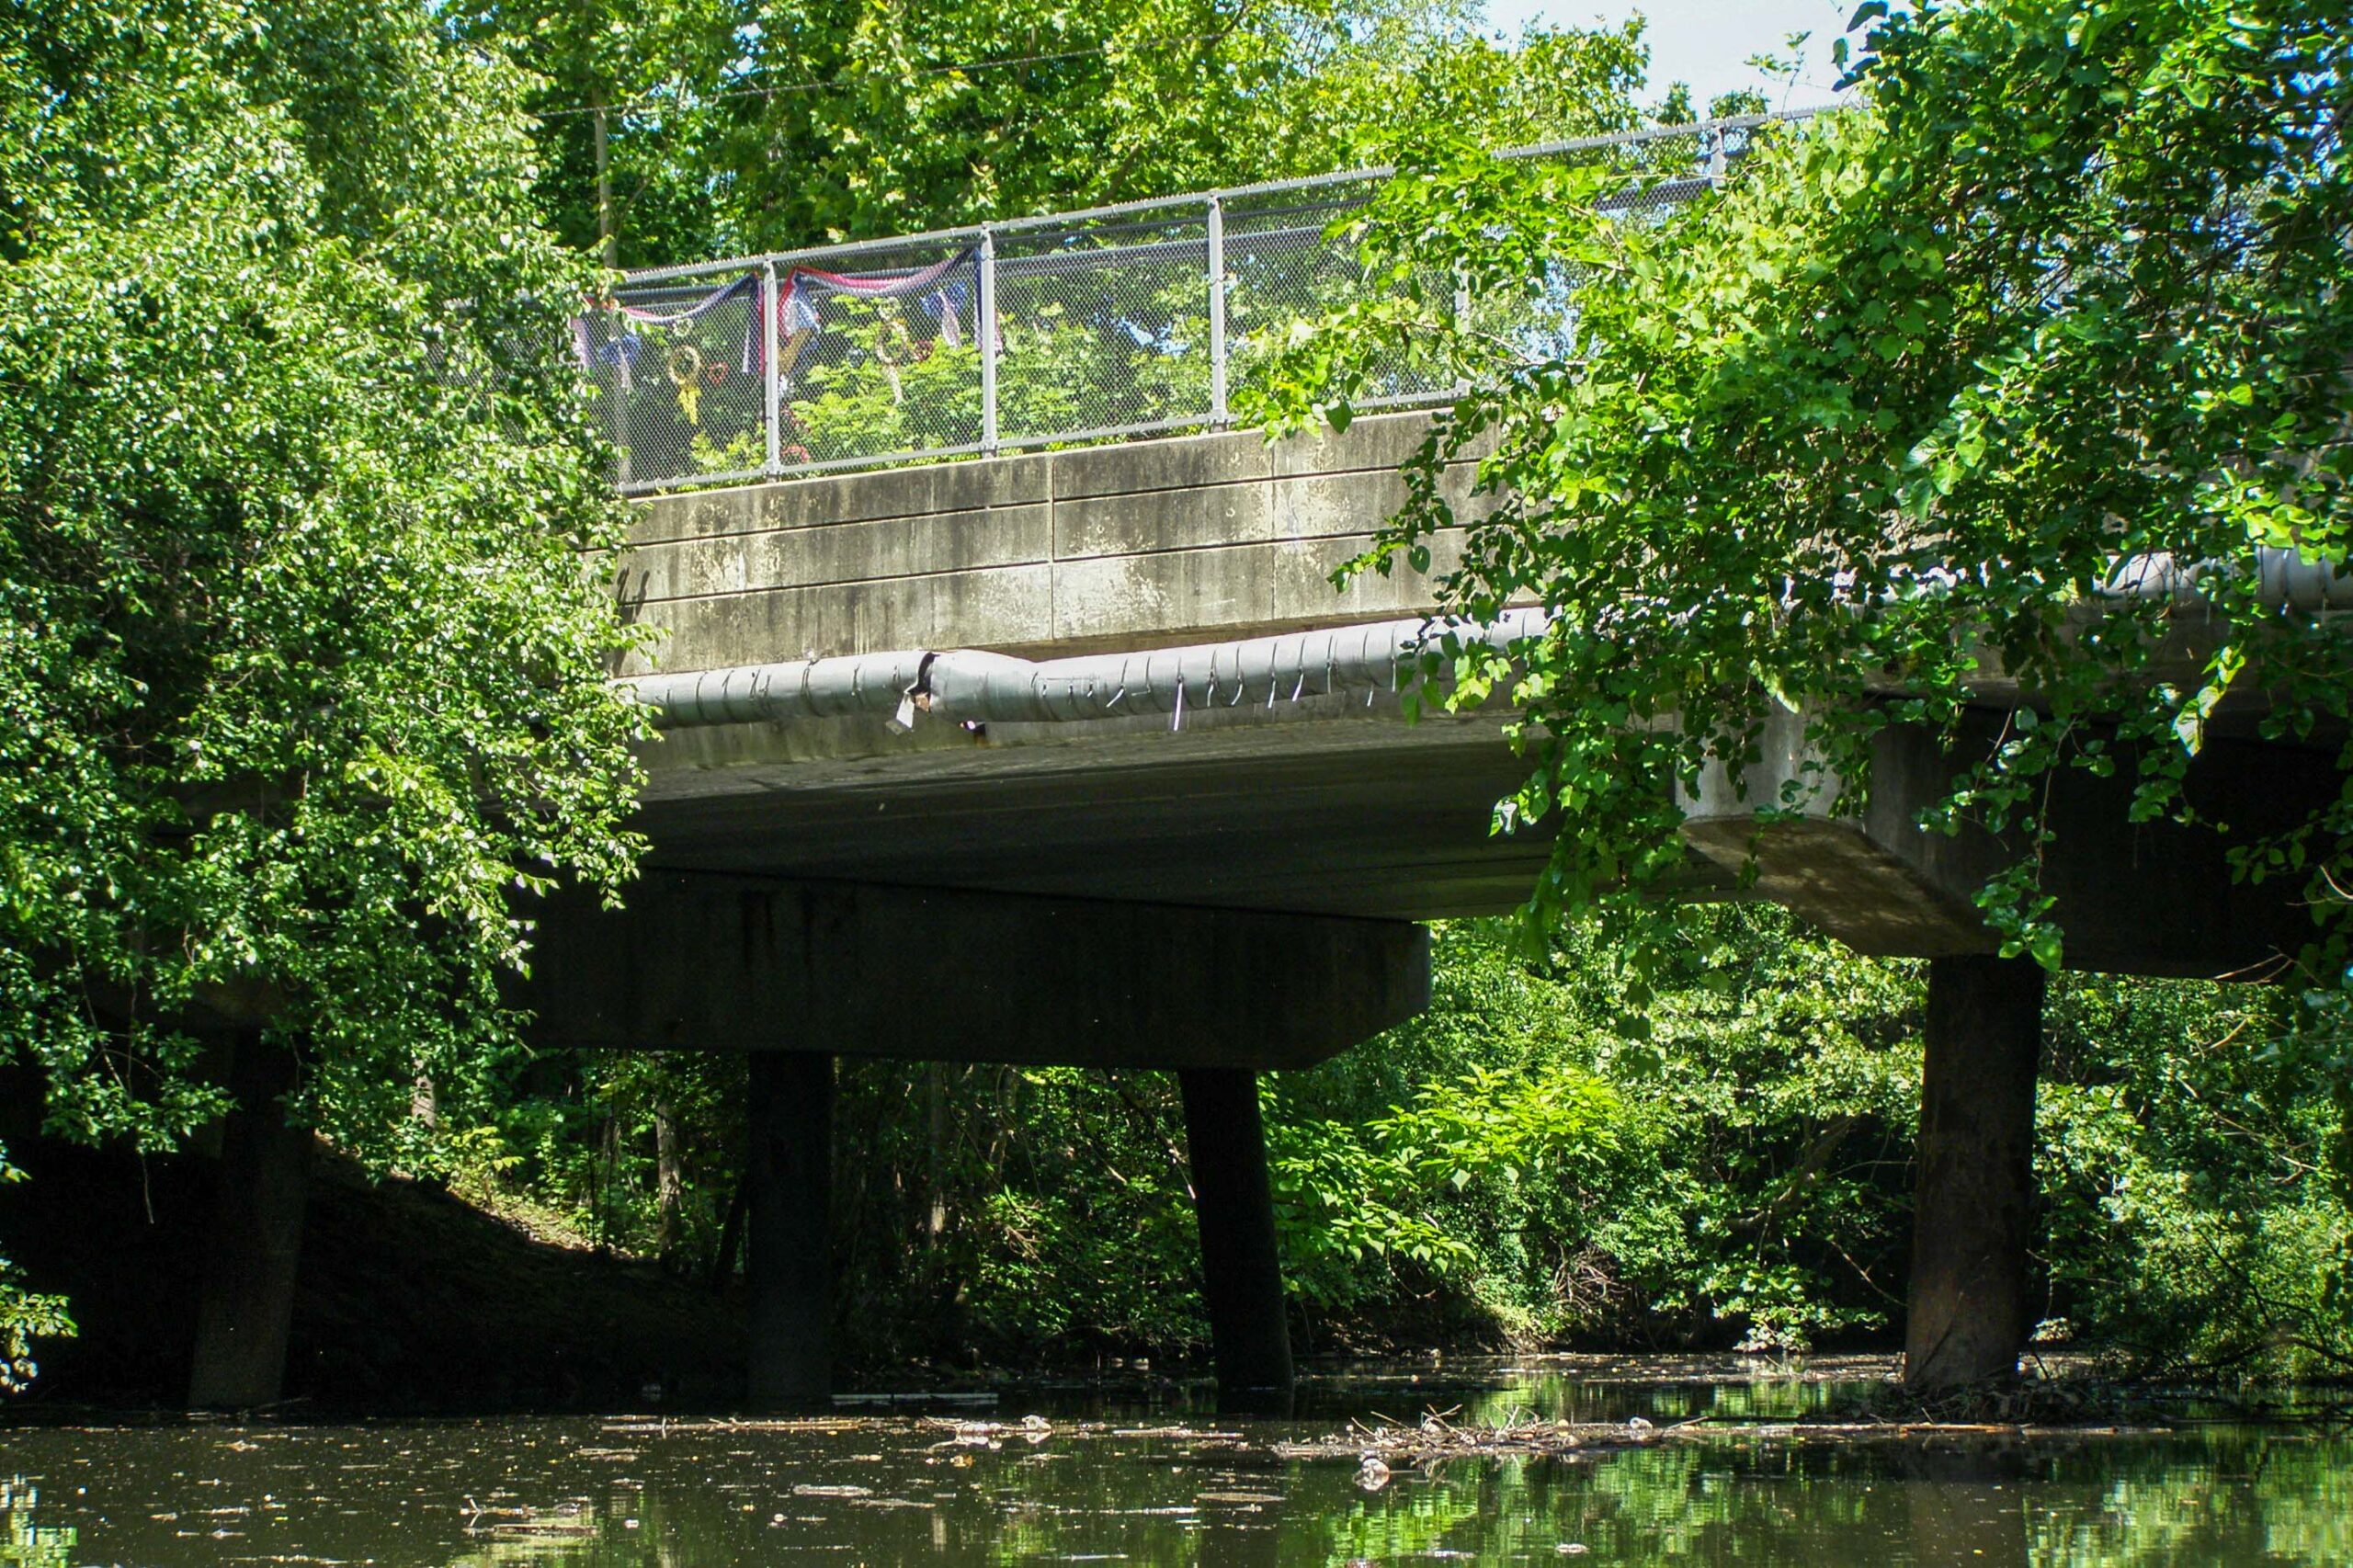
(1242, 1281)
(2156, 897)
(244, 1313)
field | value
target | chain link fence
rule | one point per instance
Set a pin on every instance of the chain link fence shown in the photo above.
(1135, 320)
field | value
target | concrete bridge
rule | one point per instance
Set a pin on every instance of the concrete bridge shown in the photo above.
(1078, 757)
(1305, 795)
(1217, 873)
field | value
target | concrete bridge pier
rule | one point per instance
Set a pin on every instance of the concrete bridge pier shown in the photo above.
(244, 1311)
(2158, 898)
(789, 1252)
(1973, 1213)
(716, 962)
(1233, 1202)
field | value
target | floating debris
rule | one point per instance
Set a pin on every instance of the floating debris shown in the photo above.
(733, 1424)
(1391, 1444)
(1382, 1446)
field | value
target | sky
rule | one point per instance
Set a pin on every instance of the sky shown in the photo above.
(1704, 42)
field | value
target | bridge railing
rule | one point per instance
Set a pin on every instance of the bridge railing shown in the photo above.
(1135, 320)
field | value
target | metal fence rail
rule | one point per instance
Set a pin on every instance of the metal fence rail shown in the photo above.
(1134, 320)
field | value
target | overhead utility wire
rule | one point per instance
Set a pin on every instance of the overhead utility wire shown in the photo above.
(838, 80)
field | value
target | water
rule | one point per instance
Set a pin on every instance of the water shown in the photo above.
(1140, 1487)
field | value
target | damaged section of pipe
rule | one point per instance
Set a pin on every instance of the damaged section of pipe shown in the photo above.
(808, 689)
(979, 687)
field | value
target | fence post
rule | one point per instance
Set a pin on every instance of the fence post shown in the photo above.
(771, 377)
(985, 323)
(1218, 417)
(610, 388)
(1715, 138)
(1461, 324)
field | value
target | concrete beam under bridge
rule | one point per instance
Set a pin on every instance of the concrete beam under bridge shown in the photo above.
(244, 1311)
(788, 1179)
(705, 963)
(1968, 1308)
(1242, 1280)
(2155, 898)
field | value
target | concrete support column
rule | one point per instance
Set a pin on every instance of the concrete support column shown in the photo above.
(1234, 1205)
(788, 1168)
(245, 1310)
(1974, 1204)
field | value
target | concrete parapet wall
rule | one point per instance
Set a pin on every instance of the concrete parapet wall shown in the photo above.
(1131, 546)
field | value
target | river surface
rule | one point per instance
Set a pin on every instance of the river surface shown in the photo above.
(1082, 1481)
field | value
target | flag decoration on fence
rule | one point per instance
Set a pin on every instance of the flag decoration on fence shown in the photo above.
(940, 290)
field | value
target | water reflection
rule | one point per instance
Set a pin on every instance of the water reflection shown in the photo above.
(649, 1495)
(23, 1539)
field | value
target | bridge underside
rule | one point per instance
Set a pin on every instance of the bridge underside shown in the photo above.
(1341, 810)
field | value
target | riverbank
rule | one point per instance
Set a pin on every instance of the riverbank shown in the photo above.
(408, 1299)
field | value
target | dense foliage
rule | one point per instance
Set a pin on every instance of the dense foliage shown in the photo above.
(2063, 290)
(730, 128)
(303, 682)
(300, 677)
(1882, 416)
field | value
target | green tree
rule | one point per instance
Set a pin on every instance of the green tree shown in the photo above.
(24, 1316)
(1409, 72)
(621, 92)
(730, 127)
(1882, 415)
(2193, 1228)
(301, 681)
(1880, 418)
